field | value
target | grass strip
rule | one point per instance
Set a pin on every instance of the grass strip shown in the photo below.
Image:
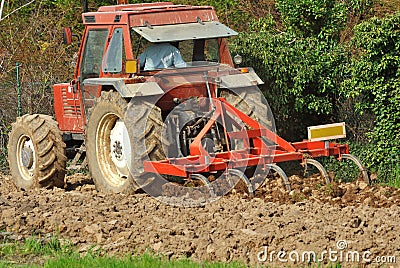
(52, 252)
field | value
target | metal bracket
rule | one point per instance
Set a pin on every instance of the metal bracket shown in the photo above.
(74, 163)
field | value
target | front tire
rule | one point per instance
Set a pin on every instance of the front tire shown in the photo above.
(36, 152)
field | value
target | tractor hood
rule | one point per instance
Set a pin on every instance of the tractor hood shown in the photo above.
(179, 32)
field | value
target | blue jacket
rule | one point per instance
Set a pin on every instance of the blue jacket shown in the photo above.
(161, 56)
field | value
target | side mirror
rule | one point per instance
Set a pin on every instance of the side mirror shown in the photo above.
(67, 36)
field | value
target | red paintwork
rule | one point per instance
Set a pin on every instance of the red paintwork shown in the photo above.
(68, 108)
(154, 13)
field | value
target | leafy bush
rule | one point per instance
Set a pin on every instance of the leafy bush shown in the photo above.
(314, 76)
(375, 82)
(301, 62)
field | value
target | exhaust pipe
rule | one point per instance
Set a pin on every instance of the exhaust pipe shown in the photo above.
(85, 6)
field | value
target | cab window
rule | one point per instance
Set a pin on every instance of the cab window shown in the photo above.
(93, 53)
(198, 50)
(112, 62)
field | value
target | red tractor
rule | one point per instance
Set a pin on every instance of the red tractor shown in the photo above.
(204, 119)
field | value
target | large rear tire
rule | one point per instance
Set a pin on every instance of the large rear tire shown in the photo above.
(36, 152)
(251, 102)
(115, 157)
(148, 144)
(106, 150)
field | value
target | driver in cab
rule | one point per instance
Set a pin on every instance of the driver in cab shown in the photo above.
(161, 56)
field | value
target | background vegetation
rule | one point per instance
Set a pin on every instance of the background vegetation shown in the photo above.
(322, 61)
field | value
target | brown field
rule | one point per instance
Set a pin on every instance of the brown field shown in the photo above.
(313, 217)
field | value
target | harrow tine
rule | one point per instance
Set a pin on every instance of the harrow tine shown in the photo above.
(319, 166)
(205, 181)
(230, 181)
(358, 162)
(282, 174)
(242, 176)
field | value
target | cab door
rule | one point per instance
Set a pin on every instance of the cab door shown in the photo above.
(91, 63)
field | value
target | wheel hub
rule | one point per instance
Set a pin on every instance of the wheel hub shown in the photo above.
(120, 148)
(117, 150)
(27, 159)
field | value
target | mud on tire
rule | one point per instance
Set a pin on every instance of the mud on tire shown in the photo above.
(36, 152)
(145, 127)
(109, 110)
(102, 118)
(251, 102)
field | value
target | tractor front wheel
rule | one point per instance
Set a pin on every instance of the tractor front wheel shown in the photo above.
(36, 152)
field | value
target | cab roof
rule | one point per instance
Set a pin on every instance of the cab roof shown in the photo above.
(149, 14)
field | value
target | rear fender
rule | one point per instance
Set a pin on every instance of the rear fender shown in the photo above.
(127, 90)
(241, 80)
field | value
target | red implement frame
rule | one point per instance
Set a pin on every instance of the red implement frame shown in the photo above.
(254, 138)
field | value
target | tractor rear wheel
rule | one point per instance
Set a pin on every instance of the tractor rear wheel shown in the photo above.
(112, 151)
(107, 149)
(145, 126)
(36, 152)
(251, 102)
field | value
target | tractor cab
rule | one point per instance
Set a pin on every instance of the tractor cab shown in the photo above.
(115, 38)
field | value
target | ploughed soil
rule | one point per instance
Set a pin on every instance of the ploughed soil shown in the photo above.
(340, 218)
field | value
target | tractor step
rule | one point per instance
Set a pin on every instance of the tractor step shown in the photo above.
(81, 151)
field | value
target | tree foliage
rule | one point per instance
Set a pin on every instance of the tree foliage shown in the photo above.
(302, 62)
(327, 61)
(375, 75)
